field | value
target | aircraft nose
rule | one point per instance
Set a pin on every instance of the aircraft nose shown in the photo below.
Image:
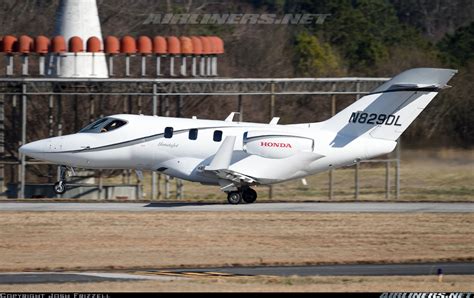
(33, 149)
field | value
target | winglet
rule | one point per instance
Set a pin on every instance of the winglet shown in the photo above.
(274, 120)
(221, 160)
(230, 118)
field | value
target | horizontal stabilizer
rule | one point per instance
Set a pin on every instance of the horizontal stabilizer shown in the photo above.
(418, 78)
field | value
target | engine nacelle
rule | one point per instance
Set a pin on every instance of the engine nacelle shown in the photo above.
(275, 145)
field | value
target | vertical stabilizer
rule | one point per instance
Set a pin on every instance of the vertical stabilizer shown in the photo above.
(387, 111)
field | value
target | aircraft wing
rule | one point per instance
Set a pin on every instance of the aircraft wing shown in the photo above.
(219, 166)
(235, 176)
(230, 179)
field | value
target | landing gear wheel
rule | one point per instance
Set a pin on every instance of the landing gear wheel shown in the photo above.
(234, 197)
(60, 187)
(249, 195)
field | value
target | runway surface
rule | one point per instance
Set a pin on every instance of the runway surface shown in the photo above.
(404, 207)
(75, 277)
(321, 270)
(342, 270)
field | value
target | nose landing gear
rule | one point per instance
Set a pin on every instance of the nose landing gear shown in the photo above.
(60, 186)
(245, 194)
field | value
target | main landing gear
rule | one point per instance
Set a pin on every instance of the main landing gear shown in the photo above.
(60, 186)
(245, 194)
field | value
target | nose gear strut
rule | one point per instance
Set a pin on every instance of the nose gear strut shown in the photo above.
(60, 186)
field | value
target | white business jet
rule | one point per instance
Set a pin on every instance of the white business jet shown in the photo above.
(239, 155)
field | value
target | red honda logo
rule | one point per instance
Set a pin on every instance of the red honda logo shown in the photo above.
(275, 144)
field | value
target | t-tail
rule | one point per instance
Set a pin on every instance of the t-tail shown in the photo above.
(387, 111)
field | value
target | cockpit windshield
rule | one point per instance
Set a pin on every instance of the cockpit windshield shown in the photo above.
(104, 125)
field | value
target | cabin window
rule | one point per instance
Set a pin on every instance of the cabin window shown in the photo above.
(217, 136)
(193, 134)
(168, 132)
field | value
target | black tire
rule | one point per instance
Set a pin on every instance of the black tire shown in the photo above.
(234, 197)
(60, 187)
(249, 195)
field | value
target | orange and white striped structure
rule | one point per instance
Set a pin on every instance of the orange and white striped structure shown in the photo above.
(77, 21)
